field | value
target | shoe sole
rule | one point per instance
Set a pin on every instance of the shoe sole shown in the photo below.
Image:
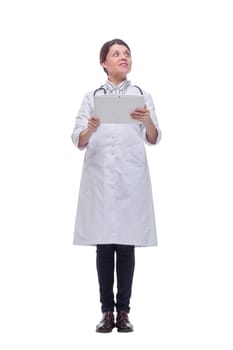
(125, 330)
(104, 331)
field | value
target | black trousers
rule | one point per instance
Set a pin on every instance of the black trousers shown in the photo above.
(109, 256)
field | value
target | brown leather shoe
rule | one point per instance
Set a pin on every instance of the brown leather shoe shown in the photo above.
(123, 324)
(107, 324)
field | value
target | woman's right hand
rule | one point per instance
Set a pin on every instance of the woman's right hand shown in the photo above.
(93, 123)
(92, 126)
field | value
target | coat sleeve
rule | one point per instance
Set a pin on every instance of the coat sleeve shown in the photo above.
(81, 120)
(150, 105)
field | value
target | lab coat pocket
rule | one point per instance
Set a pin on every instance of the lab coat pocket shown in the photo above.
(135, 155)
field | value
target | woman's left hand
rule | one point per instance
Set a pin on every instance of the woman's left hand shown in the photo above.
(142, 115)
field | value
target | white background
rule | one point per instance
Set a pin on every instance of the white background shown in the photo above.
(182, 55)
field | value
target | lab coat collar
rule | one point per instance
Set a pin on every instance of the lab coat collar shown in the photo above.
(117, 89)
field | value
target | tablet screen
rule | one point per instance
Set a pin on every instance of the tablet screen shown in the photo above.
(117, 108)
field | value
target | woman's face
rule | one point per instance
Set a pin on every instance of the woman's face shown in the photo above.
(118, 62)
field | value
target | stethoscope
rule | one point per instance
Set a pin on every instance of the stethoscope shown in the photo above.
(105, 91)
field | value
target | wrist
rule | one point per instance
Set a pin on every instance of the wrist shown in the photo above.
(89, 131)
(148, 124)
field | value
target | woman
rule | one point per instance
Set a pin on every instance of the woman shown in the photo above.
(115, 208)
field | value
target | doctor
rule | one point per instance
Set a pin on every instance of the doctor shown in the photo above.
(115, 208)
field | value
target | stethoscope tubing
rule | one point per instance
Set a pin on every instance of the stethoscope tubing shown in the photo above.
(105, 91)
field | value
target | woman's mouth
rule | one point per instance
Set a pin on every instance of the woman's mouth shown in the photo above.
(124, 64)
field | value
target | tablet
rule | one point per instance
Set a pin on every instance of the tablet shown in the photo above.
(117, 108)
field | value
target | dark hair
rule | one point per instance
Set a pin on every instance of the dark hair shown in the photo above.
(105, 49)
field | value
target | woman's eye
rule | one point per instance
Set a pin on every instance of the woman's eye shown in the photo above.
(117, 54)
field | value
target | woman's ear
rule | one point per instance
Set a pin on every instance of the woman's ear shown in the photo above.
(104, 67)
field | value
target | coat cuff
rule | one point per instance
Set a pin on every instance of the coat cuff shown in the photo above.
(75, 139)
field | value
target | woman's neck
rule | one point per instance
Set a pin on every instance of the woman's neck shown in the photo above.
(116, 80)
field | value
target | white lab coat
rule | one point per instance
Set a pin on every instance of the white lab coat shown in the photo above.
(115, 204)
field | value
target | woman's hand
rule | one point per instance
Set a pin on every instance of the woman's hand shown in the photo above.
(93, 123)
(142, 115)
(92, 126)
